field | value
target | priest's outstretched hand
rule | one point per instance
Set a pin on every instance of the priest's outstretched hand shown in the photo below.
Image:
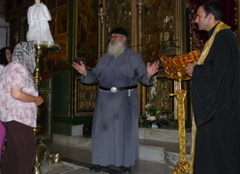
(152, 69)
(80, 67)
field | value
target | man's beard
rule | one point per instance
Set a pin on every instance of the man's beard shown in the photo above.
(117, 49)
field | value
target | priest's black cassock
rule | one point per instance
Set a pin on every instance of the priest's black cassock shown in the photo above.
(216, 105)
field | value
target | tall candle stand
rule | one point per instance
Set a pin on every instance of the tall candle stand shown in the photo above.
(183, 166)
(42, 151)
(174, 68)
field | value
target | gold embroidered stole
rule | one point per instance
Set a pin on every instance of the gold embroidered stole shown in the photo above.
(208, 44)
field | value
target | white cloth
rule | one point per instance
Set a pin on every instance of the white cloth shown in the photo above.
(38, 16)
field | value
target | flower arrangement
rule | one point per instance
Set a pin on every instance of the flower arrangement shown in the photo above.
(152, 114)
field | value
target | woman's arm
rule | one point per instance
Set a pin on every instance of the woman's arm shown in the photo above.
(18, 94)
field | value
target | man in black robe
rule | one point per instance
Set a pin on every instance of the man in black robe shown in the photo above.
(216, 96)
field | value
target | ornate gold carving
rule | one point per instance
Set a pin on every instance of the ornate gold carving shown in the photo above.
(183, 167)
(118, 14)
(86, 35)
(42, 152)
(193, 139)
(42, 48)
(85, 96)
(195, 41)
(238, 19)
(164, 87)
(160, 33)
(174, 67)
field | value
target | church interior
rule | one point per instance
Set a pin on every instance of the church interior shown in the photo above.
(81, 30)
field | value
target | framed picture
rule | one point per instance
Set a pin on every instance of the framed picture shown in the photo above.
(62, 55)
(152, 52)
(15, 37)
(62, 22)
(84, 98)
(43, 1)
(10, 4)
(163, 89)
(51, 4)
(62, 2)
(50, 61)
(19, 2)
(86, 32)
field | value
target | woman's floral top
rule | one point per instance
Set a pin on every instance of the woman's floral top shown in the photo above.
(15, 75)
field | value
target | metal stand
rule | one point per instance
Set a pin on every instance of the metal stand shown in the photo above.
(42, 152)
(174, 68)
(182, 167)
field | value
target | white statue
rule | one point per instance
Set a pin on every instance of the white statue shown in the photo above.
(38, 16)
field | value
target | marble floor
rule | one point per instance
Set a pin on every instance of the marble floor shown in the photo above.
(83, 158)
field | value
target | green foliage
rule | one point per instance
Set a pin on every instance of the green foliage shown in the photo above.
(152, 113)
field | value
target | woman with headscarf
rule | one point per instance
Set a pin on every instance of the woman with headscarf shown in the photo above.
(18, 112)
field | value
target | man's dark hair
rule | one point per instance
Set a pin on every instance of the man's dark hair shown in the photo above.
(212, 7)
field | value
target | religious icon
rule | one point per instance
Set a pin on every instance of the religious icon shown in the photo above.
(62, 21)
(152, 52)
(51, 4)
(62, 2)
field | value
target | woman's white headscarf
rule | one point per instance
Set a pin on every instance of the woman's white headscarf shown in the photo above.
(25, 53)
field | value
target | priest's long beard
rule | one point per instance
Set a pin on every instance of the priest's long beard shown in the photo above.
(117, 49)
